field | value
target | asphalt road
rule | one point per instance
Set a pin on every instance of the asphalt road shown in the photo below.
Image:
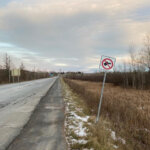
(17, 102)
(45, 129)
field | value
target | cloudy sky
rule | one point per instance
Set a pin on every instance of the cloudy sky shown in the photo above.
(71, 35)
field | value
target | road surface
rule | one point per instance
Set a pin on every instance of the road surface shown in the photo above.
(45, 129)
(17, 102)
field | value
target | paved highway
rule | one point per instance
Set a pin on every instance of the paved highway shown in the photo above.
(17, 103)
(45, 129)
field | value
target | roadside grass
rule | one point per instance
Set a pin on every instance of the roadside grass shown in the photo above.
(81, 131)
(126, 111)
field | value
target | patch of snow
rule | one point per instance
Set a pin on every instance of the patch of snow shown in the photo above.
(115, 146)
(88, 149)
(115, 138)
(82, 141)
(113, 135)
(141, 108)
(80, 130)
(85, 119)
(147, 130)
(74, 141)
(122, 140)
(71, 127)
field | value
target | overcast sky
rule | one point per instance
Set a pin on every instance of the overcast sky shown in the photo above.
(71, 35)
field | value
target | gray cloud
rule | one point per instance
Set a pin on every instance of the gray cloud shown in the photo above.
(56, 36)
(68, 33)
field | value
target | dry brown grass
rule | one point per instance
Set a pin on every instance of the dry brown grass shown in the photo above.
(128, 110)
(98, 136)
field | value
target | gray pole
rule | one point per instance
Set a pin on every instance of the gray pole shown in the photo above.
(9, 75)
(13, 79)
(101, 97)
(9, 70)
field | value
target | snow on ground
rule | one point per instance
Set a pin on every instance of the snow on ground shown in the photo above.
(75, 123)
(115, 146)
(115, 138)
(17, 102)
(76, 131)
(78, 122)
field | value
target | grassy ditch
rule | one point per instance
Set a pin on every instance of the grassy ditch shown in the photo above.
(81, 131)
(127, 111)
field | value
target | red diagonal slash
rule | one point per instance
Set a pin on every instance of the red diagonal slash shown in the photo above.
(108, 64)
(106, 61)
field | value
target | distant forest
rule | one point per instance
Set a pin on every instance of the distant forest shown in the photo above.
(5, 72)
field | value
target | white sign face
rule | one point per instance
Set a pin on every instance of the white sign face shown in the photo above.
(107, 63)
(15, 72)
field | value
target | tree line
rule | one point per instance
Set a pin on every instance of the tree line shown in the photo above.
(5, 72)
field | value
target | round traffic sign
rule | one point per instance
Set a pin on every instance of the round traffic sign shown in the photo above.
(107, 64)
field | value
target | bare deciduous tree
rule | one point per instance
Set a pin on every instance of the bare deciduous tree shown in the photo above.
(132, 57)
(22, 67)
(133, 63)
(7, 65)
(145, 53)
(7, 62)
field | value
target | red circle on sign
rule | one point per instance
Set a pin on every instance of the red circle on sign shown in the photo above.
(109, 66)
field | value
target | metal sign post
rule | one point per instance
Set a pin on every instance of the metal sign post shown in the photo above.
(107, 63)
(100, 102)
